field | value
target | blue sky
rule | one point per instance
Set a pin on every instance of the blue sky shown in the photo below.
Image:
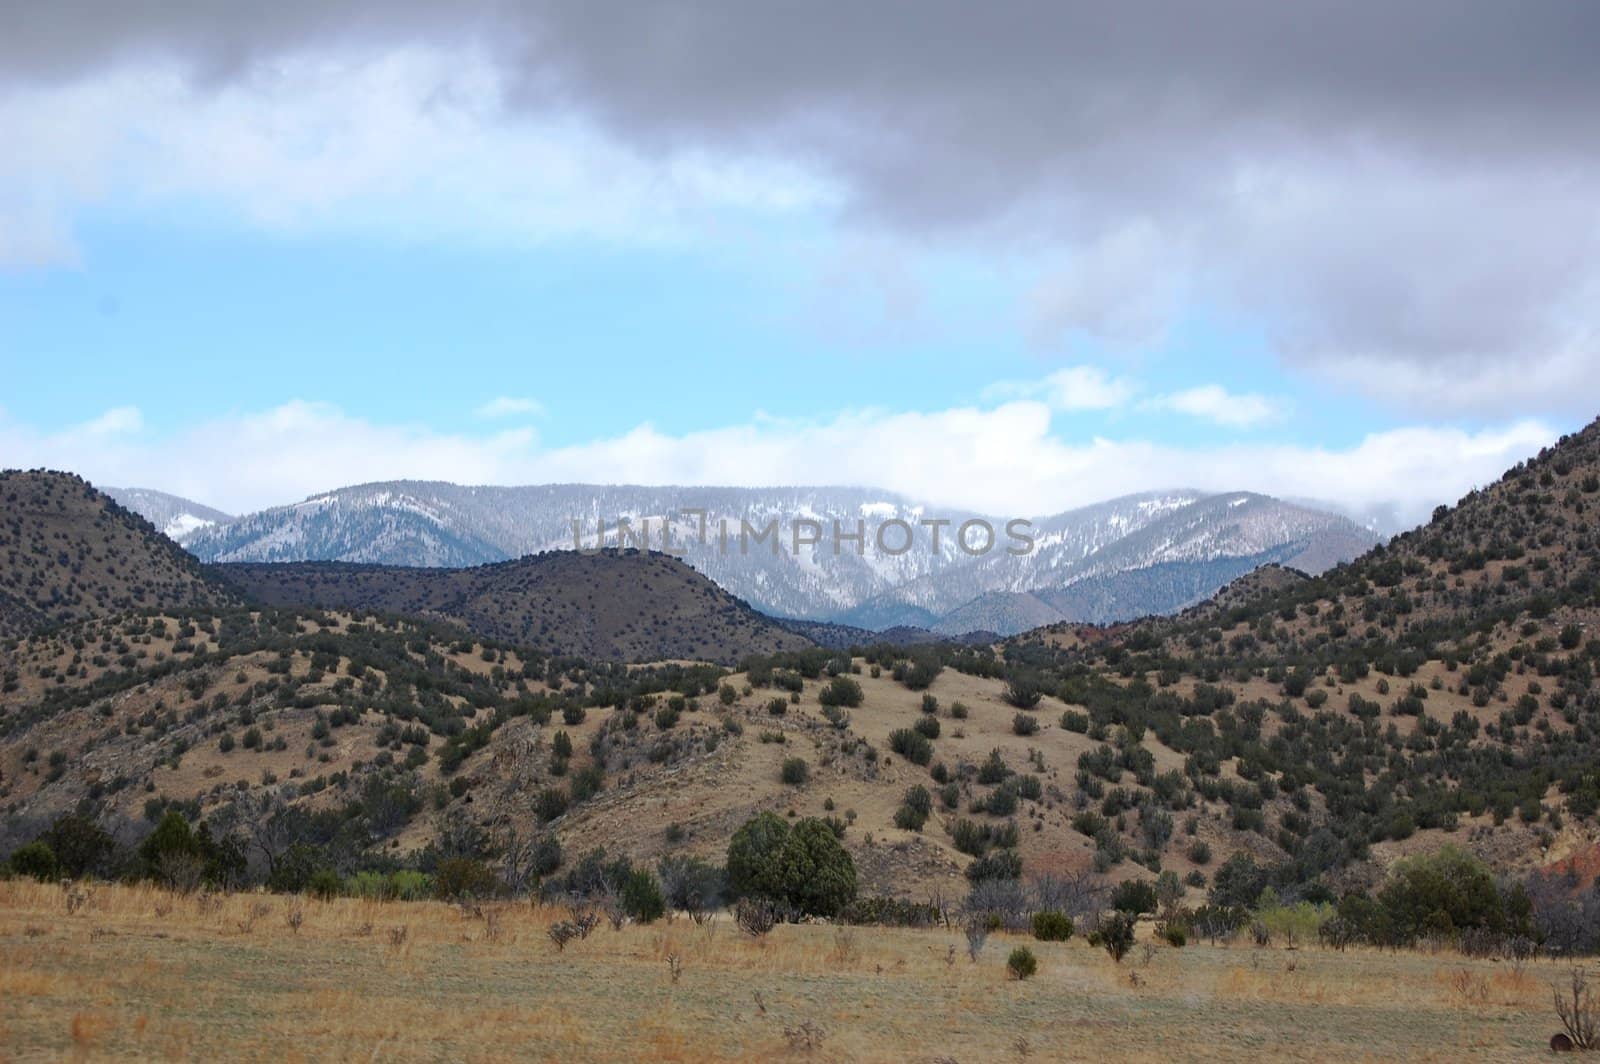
(347, 258)
(190, 321)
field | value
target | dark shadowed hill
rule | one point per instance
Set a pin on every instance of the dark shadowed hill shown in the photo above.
(613, 606)
(68, 553)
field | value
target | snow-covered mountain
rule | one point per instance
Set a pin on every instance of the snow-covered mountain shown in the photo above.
(178, 517)
(752, 541)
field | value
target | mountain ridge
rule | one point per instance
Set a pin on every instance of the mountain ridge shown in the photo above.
(436, 523)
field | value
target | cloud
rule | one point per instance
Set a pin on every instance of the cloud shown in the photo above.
(508, 406)
(403, 146)
(1003, 459)
(1072, 388)
(1216, 404)
(1405, 204)
(114, 422)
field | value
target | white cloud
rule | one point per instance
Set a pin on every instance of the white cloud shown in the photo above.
(114, 422)
(1072, 388)
(1002, 460)
(1212, 402)
(510, 406)
(403, 145)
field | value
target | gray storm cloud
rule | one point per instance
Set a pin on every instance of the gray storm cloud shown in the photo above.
(1408, 189)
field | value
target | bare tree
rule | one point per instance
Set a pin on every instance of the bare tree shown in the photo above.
(1577, 1010)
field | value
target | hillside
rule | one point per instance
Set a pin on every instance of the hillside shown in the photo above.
(67, 552)
(610, 606)
(1299, 732)
(438, 524)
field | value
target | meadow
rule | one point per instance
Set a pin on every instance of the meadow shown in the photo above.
(104, 971)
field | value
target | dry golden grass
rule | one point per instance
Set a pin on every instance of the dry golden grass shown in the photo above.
(138, 972)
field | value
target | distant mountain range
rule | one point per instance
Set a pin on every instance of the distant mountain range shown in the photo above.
(1152, 553)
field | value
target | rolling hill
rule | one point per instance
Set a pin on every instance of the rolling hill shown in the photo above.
(68, 552)
(611, 606)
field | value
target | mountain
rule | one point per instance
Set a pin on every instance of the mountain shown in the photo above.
(178, 518)
(723, 533)
(611, 606)
(1303, 731)
(68, 552)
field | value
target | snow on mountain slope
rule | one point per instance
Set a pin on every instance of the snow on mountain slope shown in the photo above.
(751, 542)
(177, 517)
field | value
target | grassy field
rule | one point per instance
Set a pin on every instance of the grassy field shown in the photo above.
(138, 972)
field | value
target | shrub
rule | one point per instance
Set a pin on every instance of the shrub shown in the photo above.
(641, 896)
(1134, 896)
(778, 707)
(753, 856)
(1002, 864)
(551, 803)
(911, 745)
(325, 883)
(994, 769)
(915, 809)
(1023, 691)
(464, 877)
(840, 691)
(815, 871)
(1175, 936)
(1115, 935)
(794, 771)
(35, 860)
(1052, 926)
(927, 727)
(1022, 963)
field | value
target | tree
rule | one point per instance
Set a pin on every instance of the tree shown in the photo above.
(1238, 882)
(172, 837)
(752, 856)
(35, 860)
(1442, 892)
(80, 846)
(815, 870)
(641, 896)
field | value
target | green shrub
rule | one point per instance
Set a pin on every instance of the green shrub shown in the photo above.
(753, 856)
(641, 896)
(840, 691)
(1134, 896)
(814, 870)
(794, 771)
(325, 883)
(911, 745)
(1022, 963)
(927, 727)
(464, 877)
(915, 809)
(1025, 724)
(35, 860)
(1115, 935)
(1052, 926)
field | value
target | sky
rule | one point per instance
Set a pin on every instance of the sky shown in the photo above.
(1014, 257)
